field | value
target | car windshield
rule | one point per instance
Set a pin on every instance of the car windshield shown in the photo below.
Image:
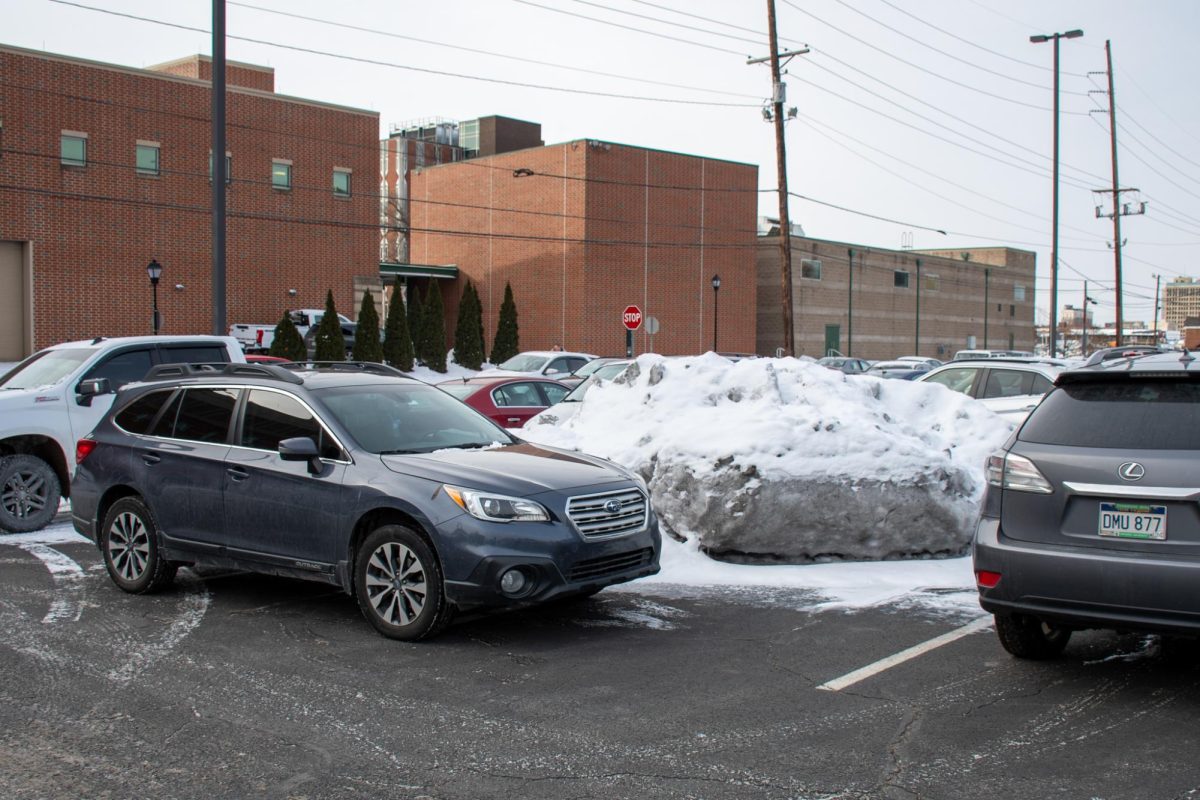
(45, 368)
(590, 367)
(606, 372)
(524, 363)
(408, 418)
(460, 390)
(831, 362)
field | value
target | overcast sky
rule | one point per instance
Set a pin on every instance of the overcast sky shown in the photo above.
(936, 114)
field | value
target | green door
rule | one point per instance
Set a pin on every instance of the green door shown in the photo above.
(833, 340)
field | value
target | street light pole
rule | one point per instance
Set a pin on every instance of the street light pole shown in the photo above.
(1073, 34)
(154, 270)
(716, 284)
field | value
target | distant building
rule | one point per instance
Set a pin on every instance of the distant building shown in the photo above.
(951, 299)
(105, 167)
(1181, 299)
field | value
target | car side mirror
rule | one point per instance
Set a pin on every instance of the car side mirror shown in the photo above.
(301, 448)
(552, 371)
(86, 390)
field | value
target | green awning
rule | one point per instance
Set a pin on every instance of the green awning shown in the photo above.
(445, 271)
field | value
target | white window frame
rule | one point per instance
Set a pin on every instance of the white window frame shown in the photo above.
(157, 147)
(71, 162)
(281, 162)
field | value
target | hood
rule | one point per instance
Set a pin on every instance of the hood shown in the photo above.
(520, 469)
(11, 399)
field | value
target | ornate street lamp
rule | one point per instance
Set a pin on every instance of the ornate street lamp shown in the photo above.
(154, 270)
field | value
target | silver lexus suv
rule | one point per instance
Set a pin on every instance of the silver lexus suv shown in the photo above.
(1092, 513)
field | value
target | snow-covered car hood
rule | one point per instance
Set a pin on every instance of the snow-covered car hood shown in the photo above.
(521, 469)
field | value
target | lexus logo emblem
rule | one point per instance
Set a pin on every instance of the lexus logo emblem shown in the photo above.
(1131, 471)
(613, 506)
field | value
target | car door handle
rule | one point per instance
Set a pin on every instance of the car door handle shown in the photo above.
(237, 473)
(514, 419)
(150, 459)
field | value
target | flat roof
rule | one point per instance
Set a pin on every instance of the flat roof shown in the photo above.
(914, 253)
(590, 142)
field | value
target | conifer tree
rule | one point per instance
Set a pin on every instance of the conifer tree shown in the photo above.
(468, 332)
(415, 309)
(330, 341)
(508, 341)
(366, 335)
(288, 343)
(397, 342)
(433, 338)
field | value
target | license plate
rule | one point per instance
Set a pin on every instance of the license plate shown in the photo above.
(1133, 521)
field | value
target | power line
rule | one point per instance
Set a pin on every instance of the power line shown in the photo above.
(865, 214)
(705, 19)
(757, 42)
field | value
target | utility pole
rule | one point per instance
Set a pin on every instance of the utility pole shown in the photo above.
(987, 274)
(917, 351)
(1055, 37)
(1117, 210)
(850, 307)
(778, 97)
(218, 169)
(1157, 281)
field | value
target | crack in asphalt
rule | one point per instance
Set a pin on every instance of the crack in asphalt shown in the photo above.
(890, 781)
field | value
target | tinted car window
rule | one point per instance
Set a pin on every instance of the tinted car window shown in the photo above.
(122, 368)
(205, 414)
(138, 415)
(1146, 415)
(553, 393)
(959, 380)
(1041, 385)
(194, 354)
(1007, 383)
(271, 417)
(517, 394)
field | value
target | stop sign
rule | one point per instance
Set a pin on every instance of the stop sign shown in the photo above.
(632, 317)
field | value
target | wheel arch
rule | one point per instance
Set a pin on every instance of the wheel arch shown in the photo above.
(374, 518)
(111, 496)
(44, 447)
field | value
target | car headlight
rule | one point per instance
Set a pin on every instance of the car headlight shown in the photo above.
(496, 507)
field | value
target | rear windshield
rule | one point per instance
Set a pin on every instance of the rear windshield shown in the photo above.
(1147, 415)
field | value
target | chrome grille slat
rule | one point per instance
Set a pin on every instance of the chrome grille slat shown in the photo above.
(589, 516)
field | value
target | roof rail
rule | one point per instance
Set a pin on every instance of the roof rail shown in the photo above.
(1127, 352)
(168, 371)
(372, 367)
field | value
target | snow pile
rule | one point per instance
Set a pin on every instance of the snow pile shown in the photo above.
(780, 459)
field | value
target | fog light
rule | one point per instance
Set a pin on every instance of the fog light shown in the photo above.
(513, 581)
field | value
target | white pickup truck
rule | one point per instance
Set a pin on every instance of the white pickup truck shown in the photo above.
(258, 338)
(57, 395)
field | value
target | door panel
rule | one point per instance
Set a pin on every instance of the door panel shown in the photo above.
(13, 302)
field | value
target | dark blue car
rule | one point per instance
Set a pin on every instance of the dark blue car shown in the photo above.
(410, 501)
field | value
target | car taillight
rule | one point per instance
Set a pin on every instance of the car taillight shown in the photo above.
(83, 449)
(986, 579)
(1016, 472)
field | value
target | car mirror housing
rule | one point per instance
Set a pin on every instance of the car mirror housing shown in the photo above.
(90, 388)
(301, 448)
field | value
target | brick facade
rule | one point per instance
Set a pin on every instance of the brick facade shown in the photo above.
(89, 231)
(583, 229)
(884, 322)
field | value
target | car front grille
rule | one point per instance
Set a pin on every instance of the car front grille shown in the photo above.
(601, 516)
(610, 565)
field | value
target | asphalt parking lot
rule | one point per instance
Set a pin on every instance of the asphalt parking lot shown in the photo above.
(234, 686)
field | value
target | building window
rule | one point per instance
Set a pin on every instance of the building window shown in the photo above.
(931, 283)
(281, 174)
(341, 182)
(1012, 311)
(810, 268)
(1019, 293)
(900, 279)
(72, 149)
(228, 167)
(147, 158)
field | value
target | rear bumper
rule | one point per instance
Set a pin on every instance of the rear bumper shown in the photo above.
(1088, 587)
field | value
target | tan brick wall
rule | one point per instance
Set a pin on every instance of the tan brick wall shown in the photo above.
(93, 229)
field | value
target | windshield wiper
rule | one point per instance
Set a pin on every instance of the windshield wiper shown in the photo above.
(401, 452)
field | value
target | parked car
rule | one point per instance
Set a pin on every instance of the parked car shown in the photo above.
(353, 475)
(508, 402)
(551, 363)
(850, 366)
(929, 362)
(348, 331)
(569, 406)
(257, 338)
(1011, 387)
(259, 358)
(903, 370)
(57, 395)
(583, 373)
(1089, 519)
(974, 355)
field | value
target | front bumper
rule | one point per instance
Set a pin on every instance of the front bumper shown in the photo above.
(1088, 587)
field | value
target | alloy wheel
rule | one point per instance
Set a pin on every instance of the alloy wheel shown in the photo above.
(129, 545)
(396, 584)
(24, 494)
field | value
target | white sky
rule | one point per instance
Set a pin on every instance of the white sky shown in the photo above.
(998, 195)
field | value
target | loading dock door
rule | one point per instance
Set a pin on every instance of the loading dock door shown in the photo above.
(12, 302)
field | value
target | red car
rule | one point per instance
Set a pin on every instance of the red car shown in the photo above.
(507, 401)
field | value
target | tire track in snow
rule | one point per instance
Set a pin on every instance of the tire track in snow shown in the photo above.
(68, 577)
(142, 655)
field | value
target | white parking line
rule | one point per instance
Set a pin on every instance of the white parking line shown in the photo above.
(67, 573)
(859, 675)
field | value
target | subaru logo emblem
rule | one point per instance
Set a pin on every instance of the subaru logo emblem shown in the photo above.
(612, 506)
(1131, 471)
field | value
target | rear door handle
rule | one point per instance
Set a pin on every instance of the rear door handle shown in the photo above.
(150, 459)
(514, 419)
(237, 473)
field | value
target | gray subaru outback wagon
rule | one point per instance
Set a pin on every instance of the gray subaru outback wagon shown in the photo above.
(410, 501)
(1092, 513)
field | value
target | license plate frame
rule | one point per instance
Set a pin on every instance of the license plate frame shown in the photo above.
(1139, 521)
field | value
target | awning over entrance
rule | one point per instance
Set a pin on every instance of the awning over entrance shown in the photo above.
(392, 270)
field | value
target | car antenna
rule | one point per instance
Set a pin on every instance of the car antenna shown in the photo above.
(98, 340)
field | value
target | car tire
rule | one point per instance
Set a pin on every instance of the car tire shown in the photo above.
(1029, 637)
(398, 584)
(129, 543)
(29, 493)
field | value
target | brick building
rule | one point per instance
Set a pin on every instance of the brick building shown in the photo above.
(583, 229)
(973, 298)
(104, 167)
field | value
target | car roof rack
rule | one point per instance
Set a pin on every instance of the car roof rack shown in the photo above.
(1115, 353)
(163, 372)
(370, 367)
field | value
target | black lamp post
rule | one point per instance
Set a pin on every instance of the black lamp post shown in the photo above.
(154, 270)
(716, 284)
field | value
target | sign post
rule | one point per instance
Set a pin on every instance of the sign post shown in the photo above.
(631, 318)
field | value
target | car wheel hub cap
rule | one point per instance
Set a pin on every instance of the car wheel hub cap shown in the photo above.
(23, 495)
(395, 584)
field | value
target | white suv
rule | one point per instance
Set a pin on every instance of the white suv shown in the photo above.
(1012, 387)
(57, 395)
